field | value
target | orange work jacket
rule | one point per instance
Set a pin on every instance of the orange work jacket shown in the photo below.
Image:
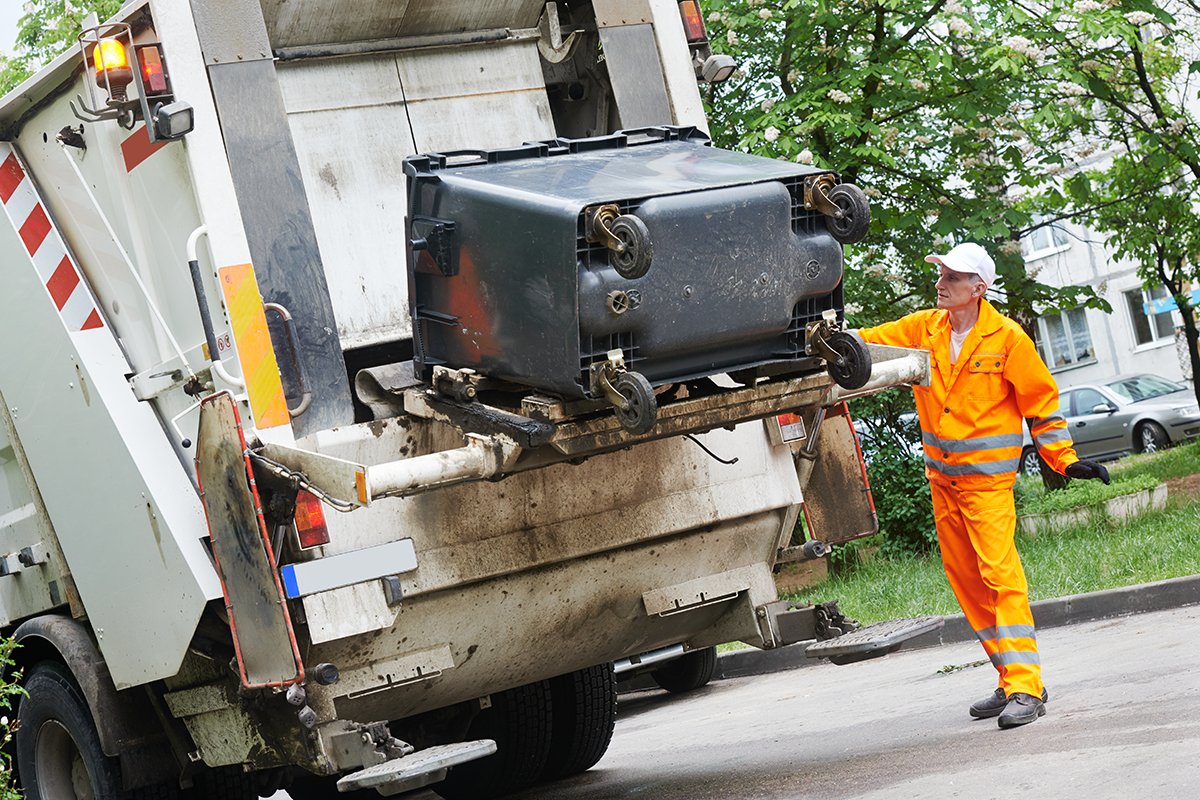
(973, 412)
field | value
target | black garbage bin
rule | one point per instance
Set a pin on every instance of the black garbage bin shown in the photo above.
(536, 264)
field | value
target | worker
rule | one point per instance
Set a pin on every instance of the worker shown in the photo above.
(986, 382)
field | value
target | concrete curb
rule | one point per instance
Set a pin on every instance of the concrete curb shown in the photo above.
(1052, 613)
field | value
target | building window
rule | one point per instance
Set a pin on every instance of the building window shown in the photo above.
(1064, 339)
(1044, 241)
(1149, 329)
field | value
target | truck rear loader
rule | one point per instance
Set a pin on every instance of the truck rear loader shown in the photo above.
(377, 375)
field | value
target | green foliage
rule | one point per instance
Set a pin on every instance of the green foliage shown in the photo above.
(10, 689)
(890, 437)
(48, 28)
(927, 106)
(1032, 500)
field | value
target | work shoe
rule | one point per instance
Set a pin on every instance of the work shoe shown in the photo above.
(1021, 709)
(994, 703)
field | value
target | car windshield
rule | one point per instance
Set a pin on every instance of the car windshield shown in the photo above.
(1144, 387)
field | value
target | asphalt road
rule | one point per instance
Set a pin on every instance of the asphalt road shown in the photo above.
(1123, 722)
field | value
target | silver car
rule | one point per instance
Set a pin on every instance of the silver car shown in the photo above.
(1131, 413)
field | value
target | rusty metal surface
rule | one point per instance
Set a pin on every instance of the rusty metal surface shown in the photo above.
(260, 623)
(837, 498)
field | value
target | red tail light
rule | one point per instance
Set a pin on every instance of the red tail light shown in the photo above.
(693, 22)
(153, 78)
(310, 521)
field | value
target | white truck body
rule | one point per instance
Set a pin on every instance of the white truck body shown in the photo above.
(426, 603)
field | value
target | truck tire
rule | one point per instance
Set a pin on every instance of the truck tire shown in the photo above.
(585, 715)
(58, 750)
(229, 782)
(520, 721)
(688, 672)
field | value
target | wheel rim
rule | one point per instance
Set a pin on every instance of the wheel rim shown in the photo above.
(61, 771)
(1032, 467)
(1149, 443)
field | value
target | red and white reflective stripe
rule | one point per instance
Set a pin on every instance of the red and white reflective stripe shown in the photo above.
(59, 274)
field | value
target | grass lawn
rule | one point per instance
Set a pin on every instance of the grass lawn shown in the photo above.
(1086, 558)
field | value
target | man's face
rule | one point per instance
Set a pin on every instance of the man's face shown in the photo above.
(957, 290)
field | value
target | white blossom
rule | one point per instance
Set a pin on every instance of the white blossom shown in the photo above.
(890, 135)
(871, 191)
(793, 75)
(943, 200)
(919, 85)
(1090, 66)
(959, 25)
(714, 16)
(771, 133)
(1177, 126)
(1139, 17)
(1022, 47)
(805, 157)
(1010, 247)
(983, 134)
(1084, 6)
(732, 38)
(1071, 88)
(853, 308)
(768, 104)
(958, 130)
(765, 13)
(923, 140)
(952, 7)
(838, 96)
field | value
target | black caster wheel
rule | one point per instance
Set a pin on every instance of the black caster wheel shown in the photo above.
(643, 408)
(855, 217)
(630, 231)
(855, 369)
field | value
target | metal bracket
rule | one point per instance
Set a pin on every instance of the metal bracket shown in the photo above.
(551, 44)
(596, 222)
(461, 384)
(602, 375)
(816, 194)
(816, 335)
(305, 392)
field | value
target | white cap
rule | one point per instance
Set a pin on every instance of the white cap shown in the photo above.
(968, 257)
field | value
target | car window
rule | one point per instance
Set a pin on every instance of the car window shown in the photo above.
(1064, 404)
(1144, 387)
(1086, 400)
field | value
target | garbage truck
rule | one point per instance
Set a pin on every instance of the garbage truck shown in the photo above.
(377, 375)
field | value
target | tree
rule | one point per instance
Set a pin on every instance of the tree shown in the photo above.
(48, 28)
(906, 99)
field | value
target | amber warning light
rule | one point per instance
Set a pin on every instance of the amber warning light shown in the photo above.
(693, 23)
(113, 72)
(310, 521)
(152, 70)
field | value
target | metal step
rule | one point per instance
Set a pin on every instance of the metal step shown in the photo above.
(874, 640)
(416, 770)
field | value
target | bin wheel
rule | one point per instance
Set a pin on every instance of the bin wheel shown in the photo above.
(856, 214)
(630, 231)
(856, 370)
(643, 408)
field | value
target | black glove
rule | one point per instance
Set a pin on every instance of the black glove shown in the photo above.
(1088, 470)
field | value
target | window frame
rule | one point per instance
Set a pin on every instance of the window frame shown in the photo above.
(1146, 298)
(1054, 231)
(1043, 340)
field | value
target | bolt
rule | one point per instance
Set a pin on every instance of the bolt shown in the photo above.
(687, 291)
(762, 612)
(763, 278)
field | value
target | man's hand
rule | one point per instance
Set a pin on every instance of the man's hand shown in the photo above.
(1088, 470)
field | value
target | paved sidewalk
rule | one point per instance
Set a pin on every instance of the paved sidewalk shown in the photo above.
(1157, 596)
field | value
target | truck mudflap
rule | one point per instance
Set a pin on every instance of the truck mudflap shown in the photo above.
(873, 641)
(416, 769)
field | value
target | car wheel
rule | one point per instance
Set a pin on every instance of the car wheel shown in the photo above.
(1150, 438)
(1029, 462)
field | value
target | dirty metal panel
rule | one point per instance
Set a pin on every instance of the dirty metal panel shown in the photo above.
(837, 499)
(701, 591)
(348, 611)
(262, 630)
(394, 671)
(614, 13)
(636, 75)
(299, 22)
(351, 130)
(413, 771)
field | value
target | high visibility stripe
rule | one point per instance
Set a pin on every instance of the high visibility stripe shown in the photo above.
(1051, 436)
(1034, 422)
(1007, 657)
(972, 445)
(59, 274)
(986, 468)
(1007, 632)
(259, 368)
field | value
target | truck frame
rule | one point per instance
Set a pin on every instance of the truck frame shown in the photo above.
(246, 541)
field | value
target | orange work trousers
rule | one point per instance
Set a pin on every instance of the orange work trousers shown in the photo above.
(975, 531)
